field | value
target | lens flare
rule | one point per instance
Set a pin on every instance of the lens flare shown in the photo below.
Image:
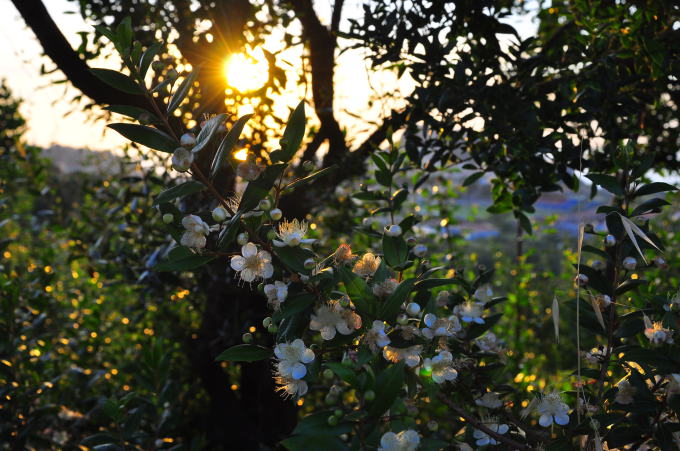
(246, 73)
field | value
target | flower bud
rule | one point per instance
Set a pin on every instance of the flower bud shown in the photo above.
(328, 374)
(412, 309)
(609, 240)
(276, 214)
(332, 420)
(188, 140)
(598, 265)
(402, 319)
(157, 66)
(581, 280)
(309, 263)
(182, 159)
(242, 239)
(338, 413)
(308, 166)
(273, 328)
(219, 214)
(605, 300)
(659, 262)
(393, 230)
(432, 425)
(629, 263)
(264, 205)
(267, 322)
(419, 250)
(411, 241)
(330, 399)
(271, 234)
(168, 218)
(369, 395)
(247, 337)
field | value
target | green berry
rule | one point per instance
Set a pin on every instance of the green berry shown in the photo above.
(267, 322)
(332, 420)
(273, 328)
(369, 395)
(247, 337)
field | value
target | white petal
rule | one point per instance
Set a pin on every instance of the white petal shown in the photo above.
(479, 320)
(483, 441)
(430, 319)
(562, 419)
(307, 356)
(249, 250)
(237, 263)
(298, 371)
(264, 256)
(328, 332)
(248, 275)
(545, 420)
(278, 243)
(267, 271)
(503, 428)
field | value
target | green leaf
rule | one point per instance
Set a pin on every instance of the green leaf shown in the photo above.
(653, 205)
(393, 303)
(146, 136)
(258, 189)
(124, 34)
(608, 182)
(310, 442)
(230, 232)
(653, 188)
(117, 80)
(208, 131)
(317, 424)
(395, 250)
(182, 91)
(139, 114)
(472, 178)
(294, 257)
(310, 177)
(358, 291)
(399, 197)
(181, 190)
(228, 143)
(293, 134)
(428, 284)
(346, 374)
(293, 306)
(148, 57)
(244, 353)
(388, 387)
(183, 263)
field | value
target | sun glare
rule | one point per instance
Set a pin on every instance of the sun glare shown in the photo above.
(246, 72)
(241, 155)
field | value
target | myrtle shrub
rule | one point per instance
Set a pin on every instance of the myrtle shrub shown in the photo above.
(383, 349)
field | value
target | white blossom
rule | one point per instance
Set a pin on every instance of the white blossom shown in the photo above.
(552, 408)
(292, 233)
(656, 333)
(410, 355)
(367, 265)
(291, 387)
(483, 439)
(196, 230)
(484, 293)
(343, 254)
(489, 343)
(441, 366)
(385, 288)
(625, 392)
(376, 336)
(490, 400)
(440, 327)
(407, 440)
(332, 317)
(188, 140)
(252, 264)
(470, 312)
(442, 298)
(276, 293)
(292, 359)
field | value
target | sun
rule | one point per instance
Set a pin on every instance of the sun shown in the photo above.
(246, 73)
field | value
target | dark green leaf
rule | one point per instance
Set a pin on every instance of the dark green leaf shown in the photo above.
(472, 178)
(184, 263)
(258, 189)
(358, 291)
(388, 387)
(346, 374)
(653, 205)
(228, 143)
(294, 257)
(244, 353)
(653, 188)
(181, 190)
(208, 131)
(293, 134)
(293, 306)
(117, 80)
(139, 114)
(310, 177)
(146, 136)
(182, 91)
(393, 303)
(395, 250)
(148, 57)
(230, 232)
(608, 182)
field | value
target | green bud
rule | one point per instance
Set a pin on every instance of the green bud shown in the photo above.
(242, 238)
(172, 74)
(332, 420)
(267, 322)
(432, 425)
(264, 205)
(247, 337)
(308, 166)
(157, 66)
(369, 395)
(330, 400)
(271, 234)
(168, 218)
(309, 263)
(276, 214)
(273, 328)
(219, 214)
(328, 373)
(338, 413)
(260, 288)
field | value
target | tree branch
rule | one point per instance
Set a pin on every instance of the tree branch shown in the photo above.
(58, 49)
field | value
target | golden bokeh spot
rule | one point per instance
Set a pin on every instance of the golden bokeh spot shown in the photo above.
(241, 155)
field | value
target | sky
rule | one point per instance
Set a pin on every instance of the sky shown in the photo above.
(53, 119)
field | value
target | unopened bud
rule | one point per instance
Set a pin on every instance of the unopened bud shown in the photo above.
(271, 234)
(402, 319)
(276, 214)
(168, 218)
(332, 420)
(338, 413)
(171, 75)
(247, 337)
(411, 241)
(629, 263)
(308, 166)
(582, 280)
(419, 250)
(659, 262)
(432, 425)
(309, 263)
(182, 159)
(242, 239)
(412, 309)
(219, 214)
(157, 66)
(273, 328)
(188, 140)
(264, 205)
(267, 322)
(393, 230)
(609, 240)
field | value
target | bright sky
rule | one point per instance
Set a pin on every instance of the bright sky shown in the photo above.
(53, 119)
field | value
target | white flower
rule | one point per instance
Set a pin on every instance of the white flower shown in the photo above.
(441, 366)
(483, 438)
(470, 312)
(332, 317)
(419, 250)
(625, 393)
(656, 333)
(407, 440)
(292, 357)
(367, 266)
(552, 408)
(483, 293)
(490, 400)
(196, 230)
(291, 233)
(440, 327)
(489, 343)
(219, 214)
(385, 288)
(182, 159)
(410, 355)
(343, 254)
(253, 264)
(291, 387)
(276, 293)
(595, 355)
(376, 336)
